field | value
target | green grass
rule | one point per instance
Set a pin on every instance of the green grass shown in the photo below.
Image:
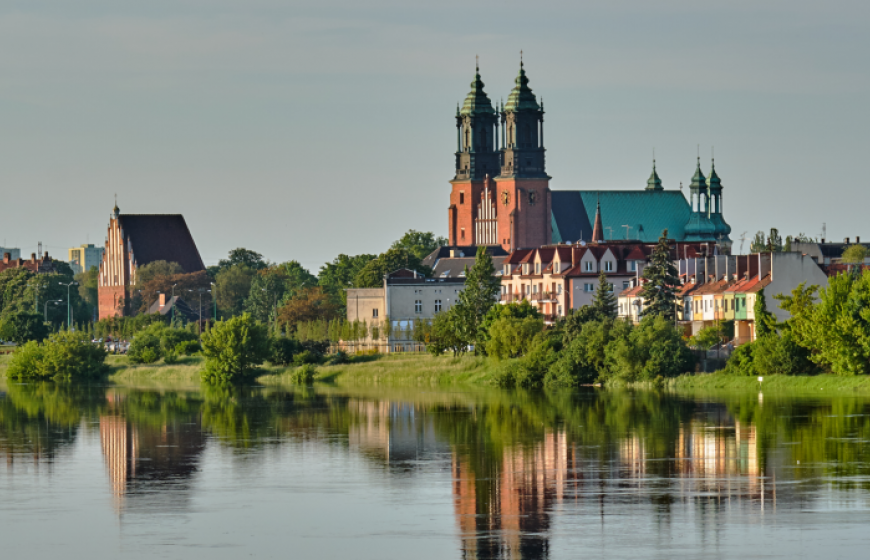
(817, 384)
(400, 370)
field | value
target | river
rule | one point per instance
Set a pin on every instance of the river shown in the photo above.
(327, 472)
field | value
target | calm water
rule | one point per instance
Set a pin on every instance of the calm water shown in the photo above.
(97, 472)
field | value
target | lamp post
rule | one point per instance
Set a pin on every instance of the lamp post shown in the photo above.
(199, 325)
(68, 311)
(45, 307)
(214, 299)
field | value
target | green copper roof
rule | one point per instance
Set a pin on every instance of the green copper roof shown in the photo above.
(646, 212)
(698, 181)
(521, 97)
(715, 181)
(654, 183)
(476, 102)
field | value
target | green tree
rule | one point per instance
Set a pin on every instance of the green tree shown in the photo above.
(23, 327)
(765, 321)
(511, 310)
(478, 296)
(758, 243)
(152, 270)
(233, 285)
(511, 337)
(271, 287)
(234, 348)
(654, 348)
(88, 286)
(659, 290)
(854, 254)
(372, 274)
(604, 301)
(706, 338)
(65, 356)
(337, 276)
(243, 257)
(583, 359)
(446, 333)
(419, 243)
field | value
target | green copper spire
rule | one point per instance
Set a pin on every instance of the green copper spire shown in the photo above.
(699, 182)
(654, 183)
(521, 97)
(715, 181)
(477, 102)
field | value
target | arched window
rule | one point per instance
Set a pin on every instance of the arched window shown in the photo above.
(527, 134)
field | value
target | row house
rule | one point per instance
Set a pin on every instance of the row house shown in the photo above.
(726, 287)
(560, 278)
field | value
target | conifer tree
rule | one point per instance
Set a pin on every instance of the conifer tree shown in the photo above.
(478, 296)
(604, 302)
(662, 281)
(765, 321)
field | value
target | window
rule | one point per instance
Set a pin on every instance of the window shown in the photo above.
(374, 313)
(632, 266)
(589, 266)
(507, 269)
(534, 288)
(461, 197)
(462, 233)
(608, 266)
(437, 305)
(526, 268)
(559, 310)
(588, 288)
(612, 287)
(625, 284)
(537, 268)
(559, 289)
(418, 306)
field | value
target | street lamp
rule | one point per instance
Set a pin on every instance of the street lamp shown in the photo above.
(214, 299)
(68, 319)
(45, 307)
(199, 325)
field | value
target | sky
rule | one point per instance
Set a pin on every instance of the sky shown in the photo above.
(306, 129)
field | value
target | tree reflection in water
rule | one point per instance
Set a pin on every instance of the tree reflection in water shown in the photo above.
(516, 459)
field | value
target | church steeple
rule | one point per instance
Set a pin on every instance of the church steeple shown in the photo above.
(654, 183)
(523, 123)
(598, 228)
(476, 134)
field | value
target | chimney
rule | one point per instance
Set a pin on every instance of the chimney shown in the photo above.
(847, 241)
(33, 257)
(45, 256)
(162, 300)
(573, 257)
(857, 239)
(823, 240)
(7, 257)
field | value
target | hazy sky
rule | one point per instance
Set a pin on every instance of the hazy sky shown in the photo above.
(310, 128)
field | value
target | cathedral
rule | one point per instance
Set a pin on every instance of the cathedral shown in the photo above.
(501, 191)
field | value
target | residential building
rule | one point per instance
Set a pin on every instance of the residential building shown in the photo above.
(45, 264)
(166, 305)
(501, 195)
(828, 252)
(135, 240)
(85, 257)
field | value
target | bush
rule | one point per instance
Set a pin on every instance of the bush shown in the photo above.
(653, 348)
(530, 370)
(282, 350)
(304, 374)
(583, 360)
(339, 358)
(145, 348)
(188, 347)
(234, 348)
(510, 337)
(63, 356)
(306, 357)
(158, 340)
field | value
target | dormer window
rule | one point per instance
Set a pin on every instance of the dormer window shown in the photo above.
(589, 266)
(537, 268)
(608, 266)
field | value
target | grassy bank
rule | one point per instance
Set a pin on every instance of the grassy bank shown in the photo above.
(819, 384)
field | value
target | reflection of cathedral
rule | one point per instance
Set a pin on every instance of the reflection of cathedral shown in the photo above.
(145, 459)
(506, 513)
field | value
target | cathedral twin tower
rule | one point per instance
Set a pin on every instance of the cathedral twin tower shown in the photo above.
(501, 194)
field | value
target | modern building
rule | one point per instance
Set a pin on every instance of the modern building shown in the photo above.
(85, 257)
(501, 195)
(135, 240)
(14, 254)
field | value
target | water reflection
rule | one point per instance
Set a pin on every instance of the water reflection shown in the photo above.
(518, 464)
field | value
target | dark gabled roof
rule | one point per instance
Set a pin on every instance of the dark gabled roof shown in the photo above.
(443, 252)
(161, 237)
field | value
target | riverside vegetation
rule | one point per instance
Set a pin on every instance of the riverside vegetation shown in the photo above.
(505, 345)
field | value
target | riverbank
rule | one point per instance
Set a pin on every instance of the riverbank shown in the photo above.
(822, 384)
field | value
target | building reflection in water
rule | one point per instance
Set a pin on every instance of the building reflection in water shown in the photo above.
(151, 463)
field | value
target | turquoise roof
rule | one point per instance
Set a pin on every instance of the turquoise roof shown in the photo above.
(477, 102)
(648, 212)
(521, 97)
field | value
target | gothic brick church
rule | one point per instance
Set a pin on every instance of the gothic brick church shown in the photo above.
(501, 191)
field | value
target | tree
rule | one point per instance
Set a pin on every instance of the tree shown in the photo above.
(234, 348)
(273, 286)
(604, 302)
(774, 241)
(419, 243)
(658, 291)
(372, 274)
(233, 285)
(854, 254)
(23, 327)
(148, 272)
(65, 356)
(183, 285)
(310, 304)
(340, 274)
(511, 337)
(654, 348)
(479, 295)
(706, 338)
(447, 333)
(243, 257)
(759, 243)
(765, 322)
(88, 286)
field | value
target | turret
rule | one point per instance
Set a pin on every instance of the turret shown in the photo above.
(476, 134)
(523, 132)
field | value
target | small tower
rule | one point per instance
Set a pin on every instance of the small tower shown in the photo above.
(115, 211)
(598, 228)
(654, 183)
(699, 227)
(721, 229)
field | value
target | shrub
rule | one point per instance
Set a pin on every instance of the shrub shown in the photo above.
(583, 360)
(530, 370)
(234, 348)
(63, 356)
(188, 347)
(780, 355)
(304, 374)
(23, 327)
(653, 348)
(282, 350)
(158, 340)
(170, 356)
(306, 357)
(339, 358)
(145, 348)
(511, 337)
